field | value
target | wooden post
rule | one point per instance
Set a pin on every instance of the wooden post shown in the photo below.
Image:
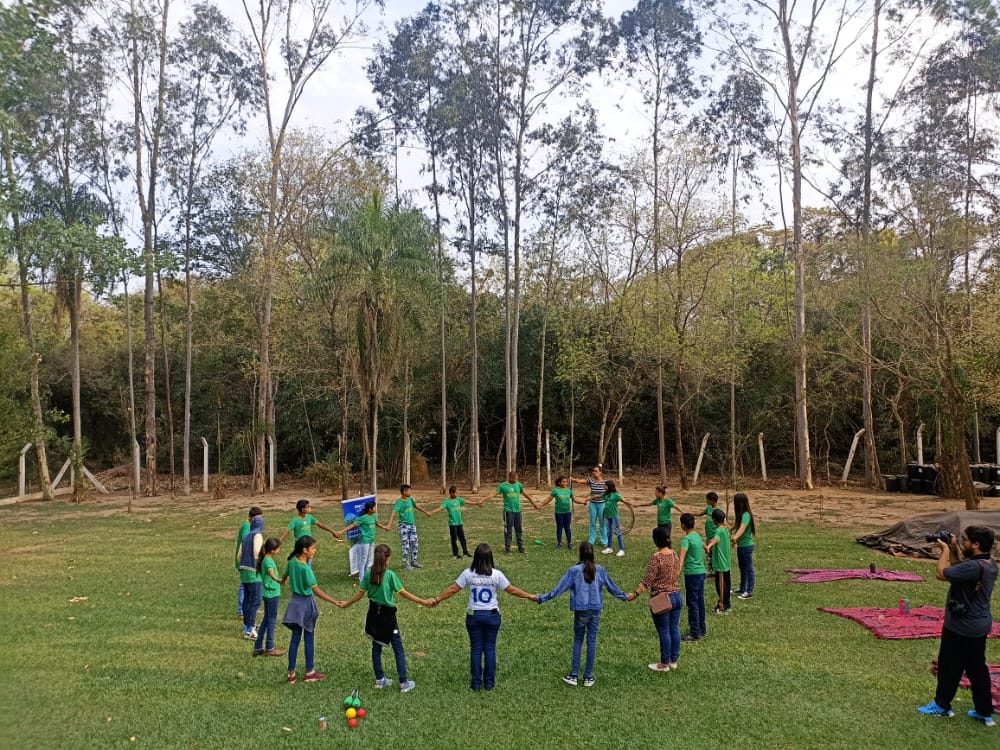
(701, 455)
(136, 471)
(763, 464)
(998, 445)
(204, 466)
(850, 455)
(272, 463)
(621, 468)
(22, 471)
(548, 459)
(920, 444)
(59, 476)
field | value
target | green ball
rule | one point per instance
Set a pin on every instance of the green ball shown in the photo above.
(348, 702)
(356, 703)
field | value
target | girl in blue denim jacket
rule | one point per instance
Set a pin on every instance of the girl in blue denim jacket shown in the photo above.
(585, 582)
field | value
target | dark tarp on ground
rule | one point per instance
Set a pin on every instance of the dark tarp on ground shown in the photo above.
(906, 538)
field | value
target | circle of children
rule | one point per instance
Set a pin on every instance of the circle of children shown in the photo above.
(585, 581)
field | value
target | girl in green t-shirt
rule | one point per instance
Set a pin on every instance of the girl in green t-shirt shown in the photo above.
(743, 534)
(611, 518)
(562, 493)
(271, 596)
(381, 584)
(301, 613)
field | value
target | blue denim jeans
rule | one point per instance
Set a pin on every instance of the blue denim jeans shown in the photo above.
(239, 600)
(694, 587)
(744, 556)
(668, 627)
(597, 523)
(309, 637)
(585, 621)
(266, 632)
(563, 523)
(397, 650)
(615, 530)
(251, 601)
(483, 627)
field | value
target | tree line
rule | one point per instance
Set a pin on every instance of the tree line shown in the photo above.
(542, 287)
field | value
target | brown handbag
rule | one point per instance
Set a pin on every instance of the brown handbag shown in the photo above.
(660, 603)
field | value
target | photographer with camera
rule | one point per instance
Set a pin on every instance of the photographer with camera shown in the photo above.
(967, 621)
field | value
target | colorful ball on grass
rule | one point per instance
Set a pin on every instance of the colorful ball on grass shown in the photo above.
(350, 713)
(352, 723)
(362, 713)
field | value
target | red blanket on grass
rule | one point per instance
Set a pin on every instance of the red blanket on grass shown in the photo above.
(994, 681)
(922, 622)
(822, 575)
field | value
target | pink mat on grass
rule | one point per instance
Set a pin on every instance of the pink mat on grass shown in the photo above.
(994, 681)
(922, 622)
(822, 575)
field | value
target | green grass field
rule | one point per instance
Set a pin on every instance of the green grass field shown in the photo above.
(154, 656)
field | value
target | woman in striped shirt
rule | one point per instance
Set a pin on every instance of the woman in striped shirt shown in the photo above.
(597, 486)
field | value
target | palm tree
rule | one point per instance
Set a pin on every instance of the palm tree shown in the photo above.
(385, 257)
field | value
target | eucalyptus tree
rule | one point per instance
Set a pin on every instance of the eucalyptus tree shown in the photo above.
(408, 77)
(385, 257)
(211, 83)
(659, 40)
(534, 51)
(28, 61)
(303, 50)
(795, 62)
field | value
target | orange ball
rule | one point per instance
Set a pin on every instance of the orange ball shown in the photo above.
(361, 713)
(352, 723)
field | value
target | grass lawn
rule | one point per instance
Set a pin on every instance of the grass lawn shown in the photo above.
(154, 656)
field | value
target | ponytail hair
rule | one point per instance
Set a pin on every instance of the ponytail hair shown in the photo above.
(270, 545)
(587, 558)
(610, 487)
(301, 545)
(380, 565)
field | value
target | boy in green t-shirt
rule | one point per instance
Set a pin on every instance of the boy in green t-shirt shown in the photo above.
(711, 503)
(242, 532)
(302, 523)
(453, 505)
(719, 546)
(664, 509)
(562, 493)
(693, 567)
(511, 491)
(405, 506)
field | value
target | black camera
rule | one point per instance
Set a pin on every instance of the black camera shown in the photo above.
(940, 536)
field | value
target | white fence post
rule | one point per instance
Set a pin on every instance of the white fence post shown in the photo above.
(204, 465)
(548, 460)
(701, 455)
(850, 455)
(763, 464)
(22, 471)
(621, 470)
(920, 444)
(271, 463)
(136, 461)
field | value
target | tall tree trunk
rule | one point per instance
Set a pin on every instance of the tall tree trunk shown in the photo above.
(804, 459)
(474, 463)
(872, 474)
(678, 434)
(23, 263)
(344, 402)
(168, 398)
(76, 299)
(407, 392)
(661, 429)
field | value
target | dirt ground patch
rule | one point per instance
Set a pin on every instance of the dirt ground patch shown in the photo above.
(779, 500)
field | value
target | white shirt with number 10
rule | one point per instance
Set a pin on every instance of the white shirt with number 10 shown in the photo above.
(482, 589)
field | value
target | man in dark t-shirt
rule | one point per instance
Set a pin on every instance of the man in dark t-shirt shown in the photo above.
(972, 574)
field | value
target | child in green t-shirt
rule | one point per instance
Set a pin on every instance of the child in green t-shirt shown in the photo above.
(453, 505)
(405, 506)
(611, 518)
(693, 567)
(664, 509)
(302, 523)
(271, 593)
(381, 584)
(511, 492)
(562, 493)
(719, 546)
(711, 503)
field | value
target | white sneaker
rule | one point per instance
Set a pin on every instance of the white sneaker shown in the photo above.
(607, 551)
(621, 553)
(407, 686)
(384, 682)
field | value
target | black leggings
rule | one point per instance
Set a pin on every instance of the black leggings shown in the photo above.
(960, 654)
(457, 535)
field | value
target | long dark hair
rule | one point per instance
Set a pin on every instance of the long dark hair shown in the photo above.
(382, 553)
(482, 560)
(587, 558)
(301, 545)
(270, 545)
(610, 488)
(741, 505)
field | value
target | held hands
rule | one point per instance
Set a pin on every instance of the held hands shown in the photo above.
(631, 596)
